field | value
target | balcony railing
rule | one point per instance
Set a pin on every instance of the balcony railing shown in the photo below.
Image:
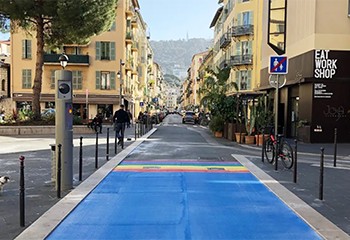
(225, 40)
(225, 63)
(242, 30)
(246, 59)
(72, 59)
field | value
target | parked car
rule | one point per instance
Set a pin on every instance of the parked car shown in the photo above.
(189, 117)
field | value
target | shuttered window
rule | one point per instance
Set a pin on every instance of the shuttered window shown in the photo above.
(26, 78)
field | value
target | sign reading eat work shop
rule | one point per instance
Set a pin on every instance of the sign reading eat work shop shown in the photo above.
(325, 66)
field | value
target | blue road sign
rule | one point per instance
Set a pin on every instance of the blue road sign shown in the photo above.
(141, 104)
(278, 65)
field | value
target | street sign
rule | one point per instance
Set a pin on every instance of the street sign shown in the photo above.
(141, 104)
(274, 79)
(278, 65)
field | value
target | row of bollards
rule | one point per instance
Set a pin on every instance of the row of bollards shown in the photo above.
(295, 164)
(140, 129)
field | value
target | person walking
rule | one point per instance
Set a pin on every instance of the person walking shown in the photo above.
(130, 118)
(120, 119)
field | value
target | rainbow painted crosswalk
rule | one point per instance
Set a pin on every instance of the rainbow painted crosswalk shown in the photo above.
(180, 166)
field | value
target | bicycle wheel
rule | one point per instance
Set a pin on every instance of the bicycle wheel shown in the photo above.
(269, 150)
(287, 155)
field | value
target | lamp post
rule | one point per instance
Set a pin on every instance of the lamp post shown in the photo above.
(120, 76)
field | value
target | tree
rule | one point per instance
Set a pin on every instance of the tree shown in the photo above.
(214, 92)
(54, 23)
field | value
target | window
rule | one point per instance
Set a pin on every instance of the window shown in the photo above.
(243, 79)
(113, 27)
(243, 48)
(52, 79)
(105, 80)
(105, 50)
(26, 49)
(77, 80)
(26, 78)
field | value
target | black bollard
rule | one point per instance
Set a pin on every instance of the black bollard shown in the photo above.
(81, 159)
(335, 147)
(263, 146)
(135, 131)
(295, 161)
(59, 163)
(122, 135)
(321, 174)
(115, 142)
(21, 192)
(96, 151)
(107, 149)
(276, 152)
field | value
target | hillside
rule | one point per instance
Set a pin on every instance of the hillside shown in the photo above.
(174, 56)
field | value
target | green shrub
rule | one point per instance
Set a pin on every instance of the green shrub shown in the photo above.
(216, 124)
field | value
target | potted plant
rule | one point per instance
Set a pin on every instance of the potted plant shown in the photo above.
(264, 118)
(250, 124)
(216, 125)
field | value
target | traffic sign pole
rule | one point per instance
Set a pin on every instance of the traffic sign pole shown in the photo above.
(276, 121)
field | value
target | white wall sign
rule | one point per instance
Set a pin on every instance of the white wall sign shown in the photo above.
(324, 66)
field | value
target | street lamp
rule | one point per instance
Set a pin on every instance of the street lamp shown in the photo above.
(120, 76)
(63, 60)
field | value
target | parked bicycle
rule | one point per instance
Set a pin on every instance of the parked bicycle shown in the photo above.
(284, 151)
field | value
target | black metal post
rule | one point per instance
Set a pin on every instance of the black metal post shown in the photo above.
(58, 178)
(96, 151)
(81, 159)
(21, 193)
(263, 146)
(115, 141)
(335, 147)
(321, 174)
(135, 130)
(276, 152)
(295, 161)
(122, 133)
(107, 147)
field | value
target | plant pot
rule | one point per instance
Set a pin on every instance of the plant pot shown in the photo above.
(238, 136)
(218, 134)
(249, 139)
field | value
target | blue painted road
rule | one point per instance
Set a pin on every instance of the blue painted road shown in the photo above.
(179, 199)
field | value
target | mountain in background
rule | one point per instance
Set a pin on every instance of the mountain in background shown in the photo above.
(175, 56)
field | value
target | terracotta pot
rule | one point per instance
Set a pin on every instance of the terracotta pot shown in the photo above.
(238, 135)
(249, 139)
(218, 134)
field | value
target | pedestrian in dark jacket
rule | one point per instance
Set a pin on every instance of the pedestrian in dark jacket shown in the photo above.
(120, 119)
(97, 123)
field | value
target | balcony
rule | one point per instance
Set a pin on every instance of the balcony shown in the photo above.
(73, 59)
(225, 40)
(242, 30)
(129, 37)
(238, 60)
(225, 63)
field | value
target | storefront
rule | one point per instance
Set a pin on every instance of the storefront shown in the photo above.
(316, 97)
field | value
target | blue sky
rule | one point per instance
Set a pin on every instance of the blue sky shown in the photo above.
(174, 19)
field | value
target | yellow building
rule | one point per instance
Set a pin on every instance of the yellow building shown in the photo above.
(237, 42)
(108, 71)
(315, 99)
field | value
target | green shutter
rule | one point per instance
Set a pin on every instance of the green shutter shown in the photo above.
(23, 78)
(29, 48)
(112, 50)
(80, 80)
(251, 19)
(239, 19)
(98, 50)
(52, 79)
(98, 80)
(238, 48)
(250, 44)
(237, 78)
(23, 49)
(112, 83)
(249, 79)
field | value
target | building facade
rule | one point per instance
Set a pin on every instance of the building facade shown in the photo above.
(315, 100)
(108, 71)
